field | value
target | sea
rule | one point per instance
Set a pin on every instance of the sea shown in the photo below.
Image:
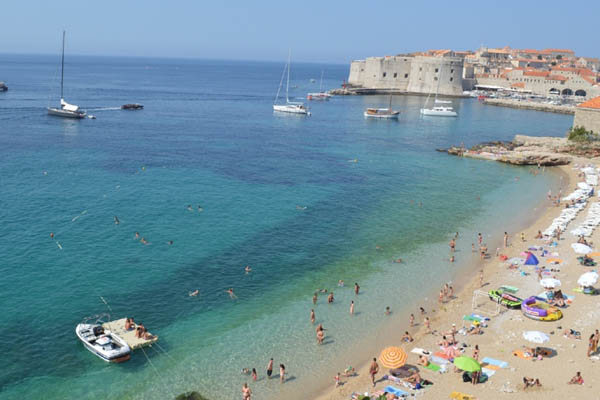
(304, 201)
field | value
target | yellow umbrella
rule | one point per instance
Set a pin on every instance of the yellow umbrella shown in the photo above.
(392, 357)
(554, 260)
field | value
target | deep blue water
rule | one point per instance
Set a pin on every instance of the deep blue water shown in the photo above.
(208, 137)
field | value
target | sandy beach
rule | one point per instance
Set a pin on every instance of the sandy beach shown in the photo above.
(504, 333)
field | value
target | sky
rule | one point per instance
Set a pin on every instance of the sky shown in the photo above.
(317, 31)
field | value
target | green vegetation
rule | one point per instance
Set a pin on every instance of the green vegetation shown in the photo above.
(579, 134)
(190, 396)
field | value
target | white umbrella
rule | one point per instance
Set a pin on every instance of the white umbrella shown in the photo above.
(581, 248)
(588, 279)
(549, 282)
(584, 186)
(535, 336)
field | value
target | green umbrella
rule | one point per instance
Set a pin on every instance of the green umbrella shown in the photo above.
(467, 364)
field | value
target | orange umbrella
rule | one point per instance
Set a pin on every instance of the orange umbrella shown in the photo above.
(554, 260)
(594, 254)
(392, 357)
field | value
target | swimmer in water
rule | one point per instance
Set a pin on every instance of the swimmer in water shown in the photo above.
(354, 160)
(189, 207)
(194, 293)
(52, 235)
(248, 269)
(200, 209)
(398, 260)
(341, 283)
(117, 222)
(144, 241)
(231, 294)
(170, 242)
(137, 235)
(299, 207)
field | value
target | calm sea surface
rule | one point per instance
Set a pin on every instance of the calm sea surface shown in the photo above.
(208, 137)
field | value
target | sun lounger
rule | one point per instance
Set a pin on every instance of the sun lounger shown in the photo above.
(492, 361)
(521, 354)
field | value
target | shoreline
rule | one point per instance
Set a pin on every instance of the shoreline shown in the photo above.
(530, 105)
(466, 281)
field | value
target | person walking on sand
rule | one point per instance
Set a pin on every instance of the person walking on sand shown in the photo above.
(312, 316)
(505, 239)
(337, 380)
(591, 345)
(270, 368)
(374, 369)
(481, 278)
(356, 288)
(281, 373)
(476, 353)
(352, 307)
(427, 324)
(441, 297)
(411, 320)
(246, 392)
(479, 239)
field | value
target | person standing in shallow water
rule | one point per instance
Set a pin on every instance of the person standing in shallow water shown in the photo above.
(352, 307)
(270, 368)
(282, 373)
(505, 239)
(315, 298)
(312, 316)
(356, 288)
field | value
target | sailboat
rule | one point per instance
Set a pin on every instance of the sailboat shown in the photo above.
(289, 106)
(382, 112)
(66, 110)
(321, 95)
(439, 111)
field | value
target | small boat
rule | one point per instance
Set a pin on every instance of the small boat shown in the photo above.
(506, 299)
(101, 342)
(387, 113)
(289, 106)
(536, 308)
(66, 110)
(320, 95)
(439, 111)
(132, 106)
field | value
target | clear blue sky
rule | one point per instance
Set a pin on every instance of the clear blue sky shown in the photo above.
(317, 31)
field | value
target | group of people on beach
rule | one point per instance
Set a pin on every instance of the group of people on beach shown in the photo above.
(246, 391)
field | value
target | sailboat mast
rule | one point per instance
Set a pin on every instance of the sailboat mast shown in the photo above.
(287, 85)
(321, 84)
(390, 108)
(62, 67)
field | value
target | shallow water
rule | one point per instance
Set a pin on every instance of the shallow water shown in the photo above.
(208, 137)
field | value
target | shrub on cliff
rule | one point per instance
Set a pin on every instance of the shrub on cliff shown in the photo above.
(190, 396)
(579, 134)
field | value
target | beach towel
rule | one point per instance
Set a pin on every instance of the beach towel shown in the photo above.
(510, 289)
(433, 367)
(460, 396)
(521, 354)
(395, 391)
(438, 360)
(392, 378)
(492, 361)
(488, 372)
(481, 317)
(489, 366)
(420, 352)
(442, 355)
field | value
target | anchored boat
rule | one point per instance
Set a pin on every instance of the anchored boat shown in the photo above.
(102, 342)
(289, 106)
(382, 112)
(66, 110)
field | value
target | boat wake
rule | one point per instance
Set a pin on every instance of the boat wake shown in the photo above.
(103, 108)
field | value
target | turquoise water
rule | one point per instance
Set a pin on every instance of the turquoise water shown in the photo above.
(208, 137)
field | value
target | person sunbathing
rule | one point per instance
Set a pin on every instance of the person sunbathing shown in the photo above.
(424, 361)
(129, 324)
(475, 330)
(414, 380)
(406, 337)
(350, 371)
(529, 382)
(539, 235)
(576, 380)
(529, 352)
(573, 334)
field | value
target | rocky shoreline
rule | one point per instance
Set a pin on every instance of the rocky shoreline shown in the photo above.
(528, 150)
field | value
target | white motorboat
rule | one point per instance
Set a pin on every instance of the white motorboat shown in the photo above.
(101, 342)
(439, 111)
(66, 110)
(387, 113)
(289, 106)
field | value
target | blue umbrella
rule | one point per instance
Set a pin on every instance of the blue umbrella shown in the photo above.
(531, 259)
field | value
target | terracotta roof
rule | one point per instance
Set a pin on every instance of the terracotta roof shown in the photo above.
(559, 51)
(518, 85)
(589, 79)
(593, 103)
(499, 51)
(536, 73)
(557, 78)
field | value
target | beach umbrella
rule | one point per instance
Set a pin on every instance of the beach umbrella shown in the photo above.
(594, 254)
(584, 186)
(581, 248)
(393, 357)
(554, 261)
(535, 336)
(467, 364)
(588, 279)
(549, 283)
(531, 259)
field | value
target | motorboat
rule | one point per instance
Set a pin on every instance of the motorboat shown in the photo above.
(102, 342)
(132, 106)
(439, 111)
(387, 113)
(65, 110)
(289, 106)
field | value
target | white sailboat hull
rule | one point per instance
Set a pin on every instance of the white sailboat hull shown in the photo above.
(393, 115)
(438, 113)
(291, 109)
(59, 112)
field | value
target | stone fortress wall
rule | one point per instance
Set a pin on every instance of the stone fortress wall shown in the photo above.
(409, 74)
